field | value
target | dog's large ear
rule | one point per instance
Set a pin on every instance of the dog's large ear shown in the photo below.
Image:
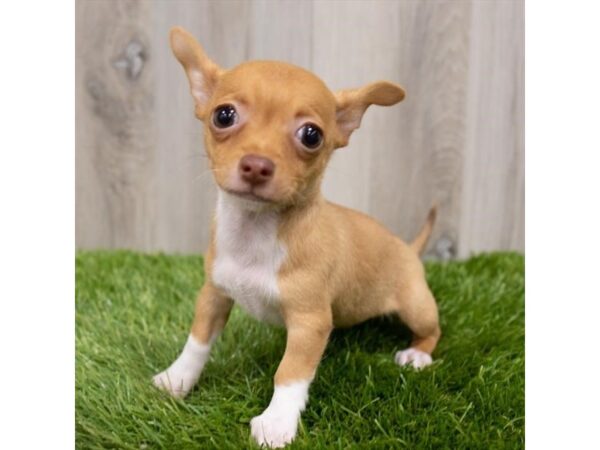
(203, 74)
(351, 104)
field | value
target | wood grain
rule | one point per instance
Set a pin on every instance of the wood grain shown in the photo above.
(115, 147)
(281, 30)
(420, 161)
(493, 204)
(142, 178)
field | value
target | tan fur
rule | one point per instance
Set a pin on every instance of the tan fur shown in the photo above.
(341, 267)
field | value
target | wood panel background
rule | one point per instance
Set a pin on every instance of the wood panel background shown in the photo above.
(458, 138)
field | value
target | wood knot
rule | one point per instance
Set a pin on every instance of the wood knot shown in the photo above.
(132, 59)
(444, 248)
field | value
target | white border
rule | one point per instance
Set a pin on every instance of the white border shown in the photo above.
(37, 224)
(562, 226)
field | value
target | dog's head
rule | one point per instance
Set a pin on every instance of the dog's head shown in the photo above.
(271, 127)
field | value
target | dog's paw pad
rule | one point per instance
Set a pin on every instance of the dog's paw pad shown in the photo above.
(176, 384)
(414, 357)
(272, 430)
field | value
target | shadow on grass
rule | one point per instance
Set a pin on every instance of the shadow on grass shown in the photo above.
(378, 335)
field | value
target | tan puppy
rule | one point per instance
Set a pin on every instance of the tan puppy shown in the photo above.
(278, 249)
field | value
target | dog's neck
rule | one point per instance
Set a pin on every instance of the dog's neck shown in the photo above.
(248, 256)
(244, 227)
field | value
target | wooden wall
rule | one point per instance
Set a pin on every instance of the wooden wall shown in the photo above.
(458, 138)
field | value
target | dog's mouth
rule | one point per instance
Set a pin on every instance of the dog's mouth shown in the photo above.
(249, 195)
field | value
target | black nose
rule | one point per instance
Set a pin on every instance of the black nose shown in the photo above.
(256, 169)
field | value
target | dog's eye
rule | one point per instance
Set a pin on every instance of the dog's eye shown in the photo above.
(224, 116)
(311, 136)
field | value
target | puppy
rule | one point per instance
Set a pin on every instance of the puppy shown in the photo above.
(279, 249)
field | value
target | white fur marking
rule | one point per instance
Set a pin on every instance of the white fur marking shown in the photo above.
(248, 256)
(183, 374)
(414, 357)
(278, 424)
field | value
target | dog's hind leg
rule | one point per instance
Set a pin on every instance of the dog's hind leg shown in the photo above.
(212, 312)
(418, 310)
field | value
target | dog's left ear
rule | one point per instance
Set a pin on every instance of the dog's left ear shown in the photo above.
(203, 74)
(351, 104)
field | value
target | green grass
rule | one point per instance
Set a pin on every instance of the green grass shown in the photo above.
(134, 313)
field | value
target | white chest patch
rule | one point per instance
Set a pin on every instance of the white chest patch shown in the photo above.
(248, 257)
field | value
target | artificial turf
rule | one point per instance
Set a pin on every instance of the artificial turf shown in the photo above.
(133, 313)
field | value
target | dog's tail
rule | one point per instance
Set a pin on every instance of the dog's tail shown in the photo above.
(418, 245)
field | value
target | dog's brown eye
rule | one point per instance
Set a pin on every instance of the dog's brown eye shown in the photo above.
(311, 136)
(224, 116)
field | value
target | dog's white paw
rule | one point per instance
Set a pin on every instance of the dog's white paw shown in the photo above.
(414, 357)
(176, 383)
(179, 379)
(273, 429)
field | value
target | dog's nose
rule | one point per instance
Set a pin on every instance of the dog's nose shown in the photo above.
(256, 169)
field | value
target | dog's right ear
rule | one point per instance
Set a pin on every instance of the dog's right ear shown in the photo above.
(203, 74)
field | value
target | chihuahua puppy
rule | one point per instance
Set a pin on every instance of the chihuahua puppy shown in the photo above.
(280, 250)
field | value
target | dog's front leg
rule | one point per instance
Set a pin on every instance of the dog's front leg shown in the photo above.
(307, 336)
(212, 312)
